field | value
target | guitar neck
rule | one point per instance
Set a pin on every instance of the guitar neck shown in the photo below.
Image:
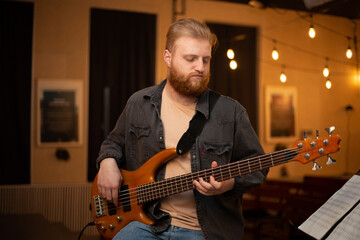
(170, 186)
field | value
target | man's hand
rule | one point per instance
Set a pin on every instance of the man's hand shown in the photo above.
(213, 187)
(109, 180)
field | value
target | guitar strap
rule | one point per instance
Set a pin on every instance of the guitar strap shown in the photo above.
(195, 127)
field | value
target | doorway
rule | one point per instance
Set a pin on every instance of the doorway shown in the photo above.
(16, 34)
(242, 82)
(122, 61)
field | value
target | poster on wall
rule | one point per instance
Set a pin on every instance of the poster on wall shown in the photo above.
(281, 114)
(59, 114)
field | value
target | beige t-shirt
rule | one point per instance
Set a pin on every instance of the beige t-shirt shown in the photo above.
(176, 118)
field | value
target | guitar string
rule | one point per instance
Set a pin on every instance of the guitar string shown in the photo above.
(219, 168)
(268, 160)
(215, 172)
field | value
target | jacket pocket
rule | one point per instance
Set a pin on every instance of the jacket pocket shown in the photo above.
(139, 132)
(219, 152)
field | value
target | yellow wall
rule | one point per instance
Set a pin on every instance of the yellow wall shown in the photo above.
(61, 51)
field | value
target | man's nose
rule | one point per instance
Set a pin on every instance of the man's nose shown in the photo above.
(200, 66)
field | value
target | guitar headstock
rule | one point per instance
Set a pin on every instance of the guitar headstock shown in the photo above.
(311, 149)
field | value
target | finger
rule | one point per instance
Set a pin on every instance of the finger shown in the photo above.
(200, 188)
(114, 193)
(102, 191)
(214, 164)
(216, 185)
(108, 194)
(206, 187)
(205, 184)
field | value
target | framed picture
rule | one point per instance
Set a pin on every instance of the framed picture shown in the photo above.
(59, 112)
(281, 114)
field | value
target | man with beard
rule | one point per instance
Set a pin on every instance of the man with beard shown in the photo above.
(155, 119)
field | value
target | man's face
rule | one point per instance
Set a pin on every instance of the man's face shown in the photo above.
(189, 65)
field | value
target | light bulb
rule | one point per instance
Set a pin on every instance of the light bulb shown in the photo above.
(312, 32)
(349, 53)
(328, 84)
(233, 64)
(275, 54)
(326, 71)
(283, 77)
(230, 54)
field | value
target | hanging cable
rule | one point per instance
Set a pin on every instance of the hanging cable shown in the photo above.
(275, 53)
(312, 32)
(82, 231)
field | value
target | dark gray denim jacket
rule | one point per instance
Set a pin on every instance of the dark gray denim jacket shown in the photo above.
(226, 137)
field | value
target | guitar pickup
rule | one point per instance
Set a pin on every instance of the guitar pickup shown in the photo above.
(125, 198)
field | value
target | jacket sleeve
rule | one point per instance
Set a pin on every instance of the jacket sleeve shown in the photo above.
(246, 145)
(114, 144)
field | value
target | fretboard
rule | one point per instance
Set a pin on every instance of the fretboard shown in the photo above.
(170, 186)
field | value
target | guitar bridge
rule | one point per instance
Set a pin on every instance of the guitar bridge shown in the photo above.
(100, 207)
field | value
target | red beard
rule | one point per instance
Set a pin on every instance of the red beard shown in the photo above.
(182, 84)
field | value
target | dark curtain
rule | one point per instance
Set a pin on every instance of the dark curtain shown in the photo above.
(16, 29)
(122, 61)
(240, 84)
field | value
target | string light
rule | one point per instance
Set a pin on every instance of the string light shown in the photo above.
(282, 75)
(348, 51)
(326, 71)
(312, 32)
(233, 64)
(275, 54)
(328, 84)
(230, 53)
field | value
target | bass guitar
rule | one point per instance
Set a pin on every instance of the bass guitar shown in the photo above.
(139, 187)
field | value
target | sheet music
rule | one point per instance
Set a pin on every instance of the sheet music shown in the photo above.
(348, 229)
(320, 222)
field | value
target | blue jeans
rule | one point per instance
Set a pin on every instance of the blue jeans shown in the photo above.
(136, 231)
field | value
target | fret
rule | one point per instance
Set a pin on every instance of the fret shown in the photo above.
(182, 183)
(139, 194)
(249, 166)
(172, 187)
(229, 171)
(156, 190)
(205, 177)
(239, 168)
(160, 186)
(177, 184)
(260, 163)
(151, 193)
(146, 193)
(272, 160)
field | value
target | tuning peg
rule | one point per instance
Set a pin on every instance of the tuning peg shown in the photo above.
(316, 166)
(330, 160)
(305, 135)
(330, 130)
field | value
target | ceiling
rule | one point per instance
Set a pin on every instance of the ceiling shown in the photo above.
(341, 8)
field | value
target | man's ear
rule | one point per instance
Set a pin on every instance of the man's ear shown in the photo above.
(167, 57)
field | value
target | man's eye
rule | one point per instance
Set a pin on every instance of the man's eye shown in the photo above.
(190, 59)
